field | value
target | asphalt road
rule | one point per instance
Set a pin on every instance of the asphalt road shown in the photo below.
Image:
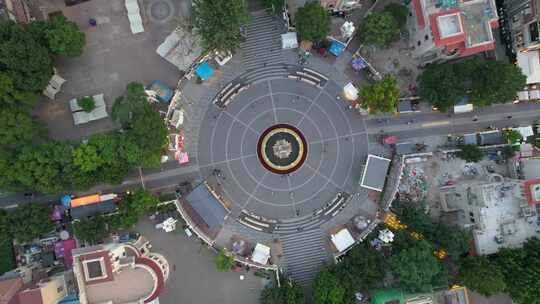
(171, 174)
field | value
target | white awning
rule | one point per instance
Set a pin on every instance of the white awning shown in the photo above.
(534, 94)
(529, 62)
(289, 40)
(463, 108)
(350, 91)
(524, 131)
(523, 95)
(261, 254)
(342, 240)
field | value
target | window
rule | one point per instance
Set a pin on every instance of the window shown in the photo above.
(59, 289)
(419, 43)
(426, 37)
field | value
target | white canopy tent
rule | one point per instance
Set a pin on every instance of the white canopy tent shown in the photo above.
(289, 40)
(261, 254)
(134, 16)
(342, 240)
(529, 62)
(350, 91)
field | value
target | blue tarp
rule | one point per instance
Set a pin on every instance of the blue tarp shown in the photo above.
(66, 200)
(336, 48)
(164, 93)
(204, 70)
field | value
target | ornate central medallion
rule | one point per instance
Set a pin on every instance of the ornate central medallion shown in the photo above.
(282, 149)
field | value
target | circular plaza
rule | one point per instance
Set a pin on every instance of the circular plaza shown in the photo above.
(283, 147)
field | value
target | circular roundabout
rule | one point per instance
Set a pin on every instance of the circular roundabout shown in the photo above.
(284, 148)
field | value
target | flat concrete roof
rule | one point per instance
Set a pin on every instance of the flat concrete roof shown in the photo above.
(129, 285)
(375, 172)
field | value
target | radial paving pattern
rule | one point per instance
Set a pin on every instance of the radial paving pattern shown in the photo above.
(334, 136)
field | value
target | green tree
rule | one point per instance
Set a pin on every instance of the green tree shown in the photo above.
(30, 221)
(399, 12)
(494, 81)
(87, 104)
(380, 96)
(133, 206)
(327, 288)
(17, 129)
(416, 267)
(218, 23)
(509, 151)
(86, 158)
(146, 135)
(379, 29)
(91, 230)
(512, 136)
(363, 268)
(520, 267)
(130, 104)
(23, 59)
(38, 169)
(454, 240)
(441, 86)
(288, 293)
(312, 22)
(275, 5)
(480, 275)
(223, 261)
(9, 96)
(64, 37)
(470, 153)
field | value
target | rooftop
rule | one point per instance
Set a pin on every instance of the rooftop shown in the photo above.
(449, 25)
(207, 205)
(128, 285)
(110, 273)
(375, 172)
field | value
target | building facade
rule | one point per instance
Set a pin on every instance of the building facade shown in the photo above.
(441, 30)
(119, 273)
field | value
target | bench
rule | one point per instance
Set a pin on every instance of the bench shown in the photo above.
(256, 222)
(310, 77)
(249, 225)
(316, 73)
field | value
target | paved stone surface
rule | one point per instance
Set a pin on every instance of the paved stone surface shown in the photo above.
(193, 278)
(112, 58)
(336, 141)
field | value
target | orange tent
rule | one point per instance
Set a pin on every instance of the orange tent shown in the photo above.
(85, 200)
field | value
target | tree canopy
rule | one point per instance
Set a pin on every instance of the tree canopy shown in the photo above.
(288, 293)
(512, 136)
(327, 288)
(521, 267)
(484, 82)
(275, 5)
(381, 96)
(399, 12)
(64, 37)
(91, 230)
(441, 86)
(218, 23)
(470, 153)
(223, 261)
(379, 29)
(312, 22)
(416, 267)
(23, 59)
(482, 276)
(30, 221)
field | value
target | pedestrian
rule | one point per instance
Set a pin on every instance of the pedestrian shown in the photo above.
(475, 118)
(509, 116)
